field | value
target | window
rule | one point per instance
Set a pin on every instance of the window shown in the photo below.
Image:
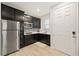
(47, 23)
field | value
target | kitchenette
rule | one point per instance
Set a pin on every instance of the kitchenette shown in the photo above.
(33, 33)
(24, 28)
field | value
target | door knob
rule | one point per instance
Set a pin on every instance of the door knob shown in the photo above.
(74, 34)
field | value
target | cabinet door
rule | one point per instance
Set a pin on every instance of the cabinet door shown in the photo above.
(47, 39)
(19, 15)
(36, 22)
(7, 12)
(36, 37)
(29, 40)
(44, 39)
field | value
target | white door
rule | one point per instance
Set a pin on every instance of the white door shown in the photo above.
(63, 32)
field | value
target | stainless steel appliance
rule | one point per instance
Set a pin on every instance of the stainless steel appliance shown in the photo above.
(0, 37)
(10, 36)
(27, 25)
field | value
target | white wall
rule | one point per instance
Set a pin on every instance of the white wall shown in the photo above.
(43, 27)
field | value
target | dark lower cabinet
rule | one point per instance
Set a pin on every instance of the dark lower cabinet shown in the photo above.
(22, 41)
(29, 39)
(33, 38)
(44, 38)
(36, 37)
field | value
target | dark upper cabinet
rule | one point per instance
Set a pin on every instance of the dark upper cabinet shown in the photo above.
(36, 22)
(18, 14)
(7, 12)
(10, 13)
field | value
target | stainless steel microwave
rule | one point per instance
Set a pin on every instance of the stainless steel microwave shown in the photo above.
(27, 25)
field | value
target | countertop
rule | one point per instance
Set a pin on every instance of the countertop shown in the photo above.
(31, 33)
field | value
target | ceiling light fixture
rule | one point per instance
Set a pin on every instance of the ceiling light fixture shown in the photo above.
(38, 9)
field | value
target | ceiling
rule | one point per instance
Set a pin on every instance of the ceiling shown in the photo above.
(36, 9)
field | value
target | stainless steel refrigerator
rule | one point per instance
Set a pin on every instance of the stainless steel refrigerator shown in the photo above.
(0, 37)
(10, 36)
